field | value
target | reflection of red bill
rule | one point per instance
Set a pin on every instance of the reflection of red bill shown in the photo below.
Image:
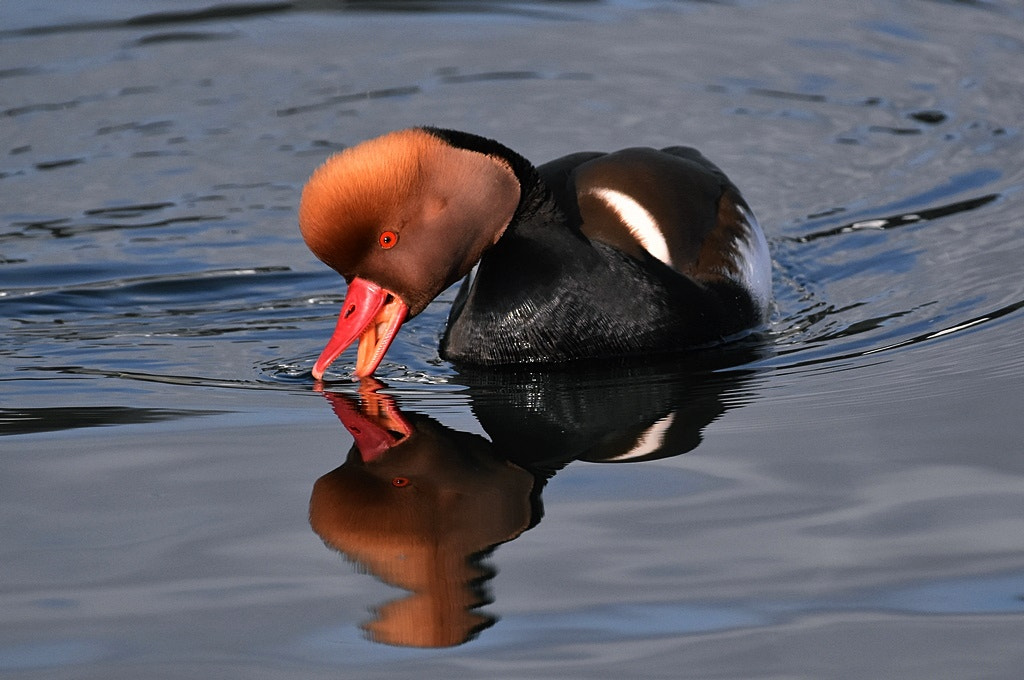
(376, 427)
(370, 313)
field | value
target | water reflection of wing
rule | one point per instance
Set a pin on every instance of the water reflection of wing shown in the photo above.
(421, 515)
(543, 421)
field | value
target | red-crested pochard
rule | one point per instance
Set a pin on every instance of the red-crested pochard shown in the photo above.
(589, 256)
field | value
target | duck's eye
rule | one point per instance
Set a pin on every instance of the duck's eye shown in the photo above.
(400, 482)
(388, 239)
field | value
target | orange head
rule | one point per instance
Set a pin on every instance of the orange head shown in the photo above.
(401, 217)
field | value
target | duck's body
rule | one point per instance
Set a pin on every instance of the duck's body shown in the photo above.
(589, 256)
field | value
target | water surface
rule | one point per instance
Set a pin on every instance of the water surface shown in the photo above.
(842, 496)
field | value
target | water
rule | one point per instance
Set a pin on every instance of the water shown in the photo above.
(851, 498)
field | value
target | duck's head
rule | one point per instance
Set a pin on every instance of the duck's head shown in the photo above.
(401, 217)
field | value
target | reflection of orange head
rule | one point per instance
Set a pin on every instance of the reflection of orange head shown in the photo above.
(418, 517)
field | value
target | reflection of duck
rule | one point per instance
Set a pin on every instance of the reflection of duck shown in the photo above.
(627, 413)
(420, 513)
(421, 505)
(591, 255)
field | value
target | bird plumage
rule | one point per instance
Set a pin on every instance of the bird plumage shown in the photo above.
(589, 256)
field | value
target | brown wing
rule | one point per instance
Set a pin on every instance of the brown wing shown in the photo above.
(665, 204)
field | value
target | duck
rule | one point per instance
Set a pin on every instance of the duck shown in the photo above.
(591, 256)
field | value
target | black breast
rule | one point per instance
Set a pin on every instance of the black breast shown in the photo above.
(563, 298)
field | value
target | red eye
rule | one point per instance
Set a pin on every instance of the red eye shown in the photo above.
(388, 239)
(399, 482)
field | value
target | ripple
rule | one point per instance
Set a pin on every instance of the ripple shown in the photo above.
(444, 78)
(285, 372)
(832, 355)
(222, 12)
(54, 419)
(182, 36)
(167, 379)
(59, 163)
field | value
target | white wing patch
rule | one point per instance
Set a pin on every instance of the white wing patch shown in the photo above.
(649, 441)
(638, 220)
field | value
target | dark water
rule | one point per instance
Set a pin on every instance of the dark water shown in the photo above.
(851, 501)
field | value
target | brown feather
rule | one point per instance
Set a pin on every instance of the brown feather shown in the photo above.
(361, 187)
(445, 205)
